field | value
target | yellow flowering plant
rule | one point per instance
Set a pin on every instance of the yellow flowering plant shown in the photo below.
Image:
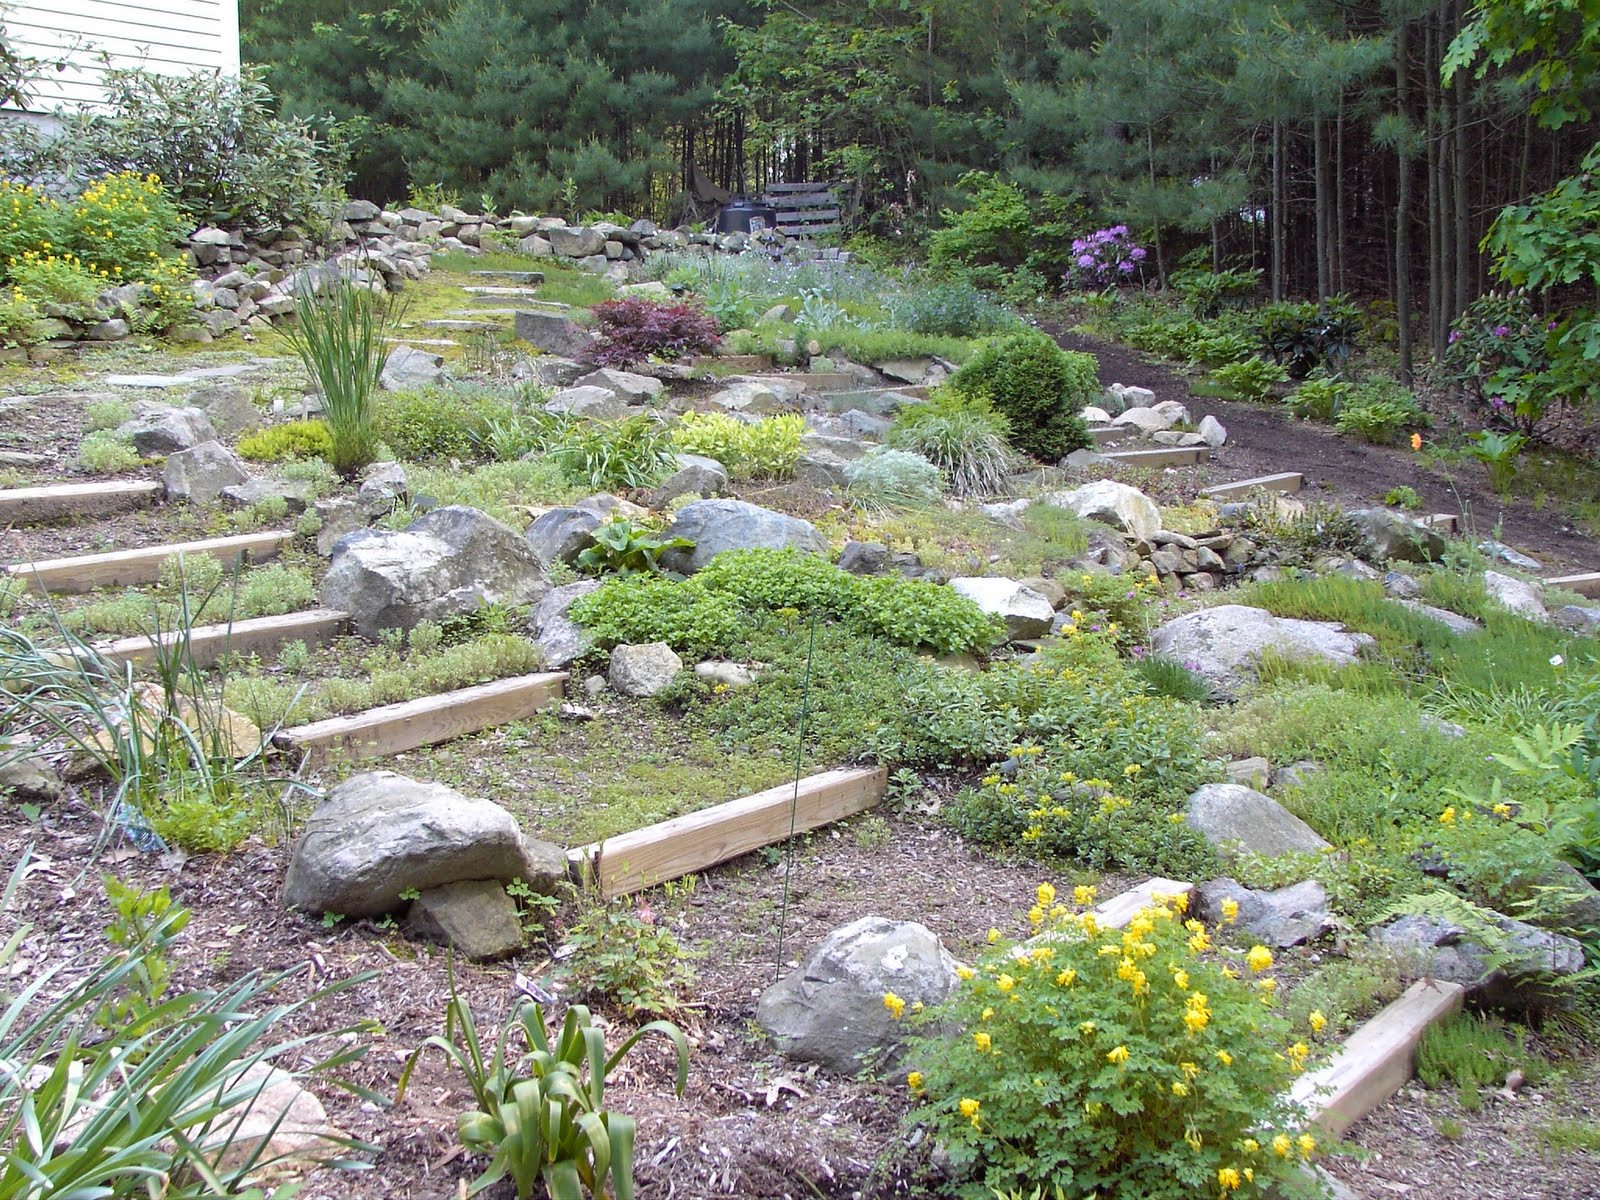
(28, 220)
(1116, 1063)
(123, 225)
(19, 319)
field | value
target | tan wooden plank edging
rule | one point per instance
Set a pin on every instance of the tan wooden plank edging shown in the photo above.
(58, 500)
(392, 728)
(697, 840)
(1171, 456)
(120, 567)
(1587, 584)
(207, 643)
(1444, 522)
(1284, 482)
(1377, 1060)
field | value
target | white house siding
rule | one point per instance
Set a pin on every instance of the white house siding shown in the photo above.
(169, 36)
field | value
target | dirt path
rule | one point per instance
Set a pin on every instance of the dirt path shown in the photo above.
(1263, 441)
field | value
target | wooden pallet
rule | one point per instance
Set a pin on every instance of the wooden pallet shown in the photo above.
(393, 728)
(803, 209)
(207, 643)
(671, 849)
(1377, 1060)
(1171, 456)
(123, 567)
(1587, 584)
(23, 506)
(1284, 483)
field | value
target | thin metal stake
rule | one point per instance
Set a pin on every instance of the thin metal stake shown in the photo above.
(794, 801)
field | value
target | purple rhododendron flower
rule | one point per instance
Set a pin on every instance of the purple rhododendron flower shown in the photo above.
(1079, 244)
(1455, 336)
(1125, 267)
(1497, 403)
(1086, 260)
(1501, 330)
(1137, 254)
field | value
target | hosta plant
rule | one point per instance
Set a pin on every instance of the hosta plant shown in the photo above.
(541, 1115)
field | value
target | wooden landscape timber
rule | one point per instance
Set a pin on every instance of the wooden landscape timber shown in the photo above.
(1586, 584)
(393, 728)
(698, 840)
(1284, 483)
(1377, 1060)
(1443, 522)
(204, 644)
(32, 505)
(119, 568)
(1168, 456)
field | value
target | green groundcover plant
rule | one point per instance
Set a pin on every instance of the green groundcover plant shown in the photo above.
(1143, 1063)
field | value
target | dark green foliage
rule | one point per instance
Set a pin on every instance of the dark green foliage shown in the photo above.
(1038, 387)
(620, 548)
(437, 424)
(646, 608)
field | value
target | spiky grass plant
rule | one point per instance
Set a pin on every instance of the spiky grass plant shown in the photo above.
(340, 332)
(92, 1107)
(964, 437)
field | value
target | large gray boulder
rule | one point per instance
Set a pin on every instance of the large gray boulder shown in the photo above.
(562, 534)
(1517, 596)
(646, 669)
(1147, 420)
(1234, 817)
(201, 473)
(1286, 916)
(380, 834)
(1114, 504)
(1224, 643)
(560, 639)
(229, 409)
(163, 429)
(554, 334)
(831, 1009)
(696, 475)
(1390, 536)
(408, 367)
(452, 560)
(1505, 964)
(576, 243)
(593, 403)
(717, 525)
(1027, 614)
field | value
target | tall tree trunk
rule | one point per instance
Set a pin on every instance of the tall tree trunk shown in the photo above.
(1339, 282)
(1275, 210)
(1319, 168)
(1150, 159)
(1463, 216)
(1402, 216)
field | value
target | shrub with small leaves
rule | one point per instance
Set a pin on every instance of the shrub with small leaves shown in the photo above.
(297, 439)
(1038, 387)
(1140, 1062)
(765, 449)
(634, 329)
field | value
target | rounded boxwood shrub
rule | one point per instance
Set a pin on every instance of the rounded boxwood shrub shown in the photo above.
(1039, 387)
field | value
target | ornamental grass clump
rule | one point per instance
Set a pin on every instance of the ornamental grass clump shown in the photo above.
(1143, 1063)
(341, 332)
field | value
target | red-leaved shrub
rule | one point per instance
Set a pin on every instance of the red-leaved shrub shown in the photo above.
(633, 329)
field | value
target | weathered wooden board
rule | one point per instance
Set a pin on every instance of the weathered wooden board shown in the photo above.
(392, 728)
(1377, 1060)
(121, 567)
(258, 635)
(1170, 456)
(22, 506)
(702, 839)
(1444, 522)
(1587, 584)
(1106, 434)
(1283, 483)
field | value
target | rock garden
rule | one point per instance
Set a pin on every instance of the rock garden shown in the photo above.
(504, 706)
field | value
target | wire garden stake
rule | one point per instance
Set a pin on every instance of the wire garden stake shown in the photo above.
(794, 800)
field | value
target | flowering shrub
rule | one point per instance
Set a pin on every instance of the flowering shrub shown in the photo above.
(1090, 1062)
(123, 226)
(633, 329)
(1106, 257)
(19, 319)
(60, 284)
(28, 220)
(1499, 354)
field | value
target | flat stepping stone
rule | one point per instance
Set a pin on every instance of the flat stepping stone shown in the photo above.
(513, 292)
(525, 277)
(1284, 483)
(462, 326)
(409, 341)
(204, 644)
(671, 849)
(481, 313)
(393, 728)
(1176, 456)
(119, 568)
(183, 378)
(815, 381)
(34, 504)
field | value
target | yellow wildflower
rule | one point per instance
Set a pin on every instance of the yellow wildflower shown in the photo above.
(1306, 1144)
(1228, 1179)
(914, 1081)
(895, 1005)
(1281, 1146)
(983, 1041)
(1046, 895)
(1225, 1058)
(1316, 1020)
(1230, 911)
(1259, 958)
(1118, 1055)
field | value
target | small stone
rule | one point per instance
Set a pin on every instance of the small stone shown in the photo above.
(1212, 432)
(1249, 772)
(407, 367)
(1516, 596)
(202, 473)
(476, 918)
(29, 778)
(730, 675)
(643, 670)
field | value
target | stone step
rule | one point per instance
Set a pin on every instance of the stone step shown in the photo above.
(515, 293)
(524, 277)
(1174, 456)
